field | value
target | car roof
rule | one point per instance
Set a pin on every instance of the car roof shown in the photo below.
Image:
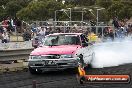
(66, 34)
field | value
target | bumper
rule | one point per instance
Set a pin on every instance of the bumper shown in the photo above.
(53, 67)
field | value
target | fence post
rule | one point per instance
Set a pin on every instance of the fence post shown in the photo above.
(34, 84)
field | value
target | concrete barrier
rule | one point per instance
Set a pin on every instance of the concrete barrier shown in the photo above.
(16, 45)
(18, 54)
(15, 50)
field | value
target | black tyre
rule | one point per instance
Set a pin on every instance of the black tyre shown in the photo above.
(93, 57)
(32, 71)
(89, 66)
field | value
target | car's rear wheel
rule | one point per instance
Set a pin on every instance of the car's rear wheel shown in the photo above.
(93, 57)
(89, 65)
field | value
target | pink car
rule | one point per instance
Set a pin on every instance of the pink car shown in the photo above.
(57, 52)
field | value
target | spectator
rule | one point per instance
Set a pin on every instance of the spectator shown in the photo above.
(58, 30)
(5, 38)
(47, 32)
(10, 27)
(42, 32)
(34, 27)
(106, 32)
(34, 34)
(73, 30)
(129, 29)
(18, 24)
(5, 23)
(115, 23)
(111, 33)
(1, 32)
(121, 32)
(26, 35)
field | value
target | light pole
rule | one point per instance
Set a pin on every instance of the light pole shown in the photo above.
(98, 15)
(63, 10)
(70, 14)
(97, 18)
(83, 10)
(55, 15)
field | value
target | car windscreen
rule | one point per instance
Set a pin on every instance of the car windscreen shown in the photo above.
(55, 40)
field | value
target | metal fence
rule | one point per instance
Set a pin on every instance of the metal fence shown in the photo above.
(64, 25)
(59, 24)
(98, 30)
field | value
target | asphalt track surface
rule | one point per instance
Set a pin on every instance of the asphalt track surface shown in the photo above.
(62, 79)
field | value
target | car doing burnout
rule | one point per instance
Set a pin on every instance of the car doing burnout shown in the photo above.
(58, 51)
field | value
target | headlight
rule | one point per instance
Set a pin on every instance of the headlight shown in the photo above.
(34, 57)
(66, 56)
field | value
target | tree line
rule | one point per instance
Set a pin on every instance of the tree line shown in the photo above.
(45, 9)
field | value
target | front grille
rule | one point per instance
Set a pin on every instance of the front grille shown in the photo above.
(38, 64)
(50, 66)
(62, 63)
(54, 56)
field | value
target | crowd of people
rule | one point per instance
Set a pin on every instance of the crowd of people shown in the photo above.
(120, 30)
(8, 26)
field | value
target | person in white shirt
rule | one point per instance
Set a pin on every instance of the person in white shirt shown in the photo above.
(5, 37)
(42, 33)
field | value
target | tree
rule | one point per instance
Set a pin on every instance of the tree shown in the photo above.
(40, 10)
(104, 3)
(45, 9)
(3, 2)
(85, 2)
(12, 7)
(120, 10)
(32, 11)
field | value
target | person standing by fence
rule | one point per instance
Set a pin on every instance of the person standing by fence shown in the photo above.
(42, 32)
(26, 35)
(5, 37)
(18, 24)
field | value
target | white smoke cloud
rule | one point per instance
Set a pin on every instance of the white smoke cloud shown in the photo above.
(110, 54)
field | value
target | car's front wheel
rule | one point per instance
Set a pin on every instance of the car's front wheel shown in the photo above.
(32, 71)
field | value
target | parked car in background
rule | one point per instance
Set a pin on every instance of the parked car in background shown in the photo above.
(58, 52)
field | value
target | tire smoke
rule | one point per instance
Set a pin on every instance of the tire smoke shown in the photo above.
(110, 54)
